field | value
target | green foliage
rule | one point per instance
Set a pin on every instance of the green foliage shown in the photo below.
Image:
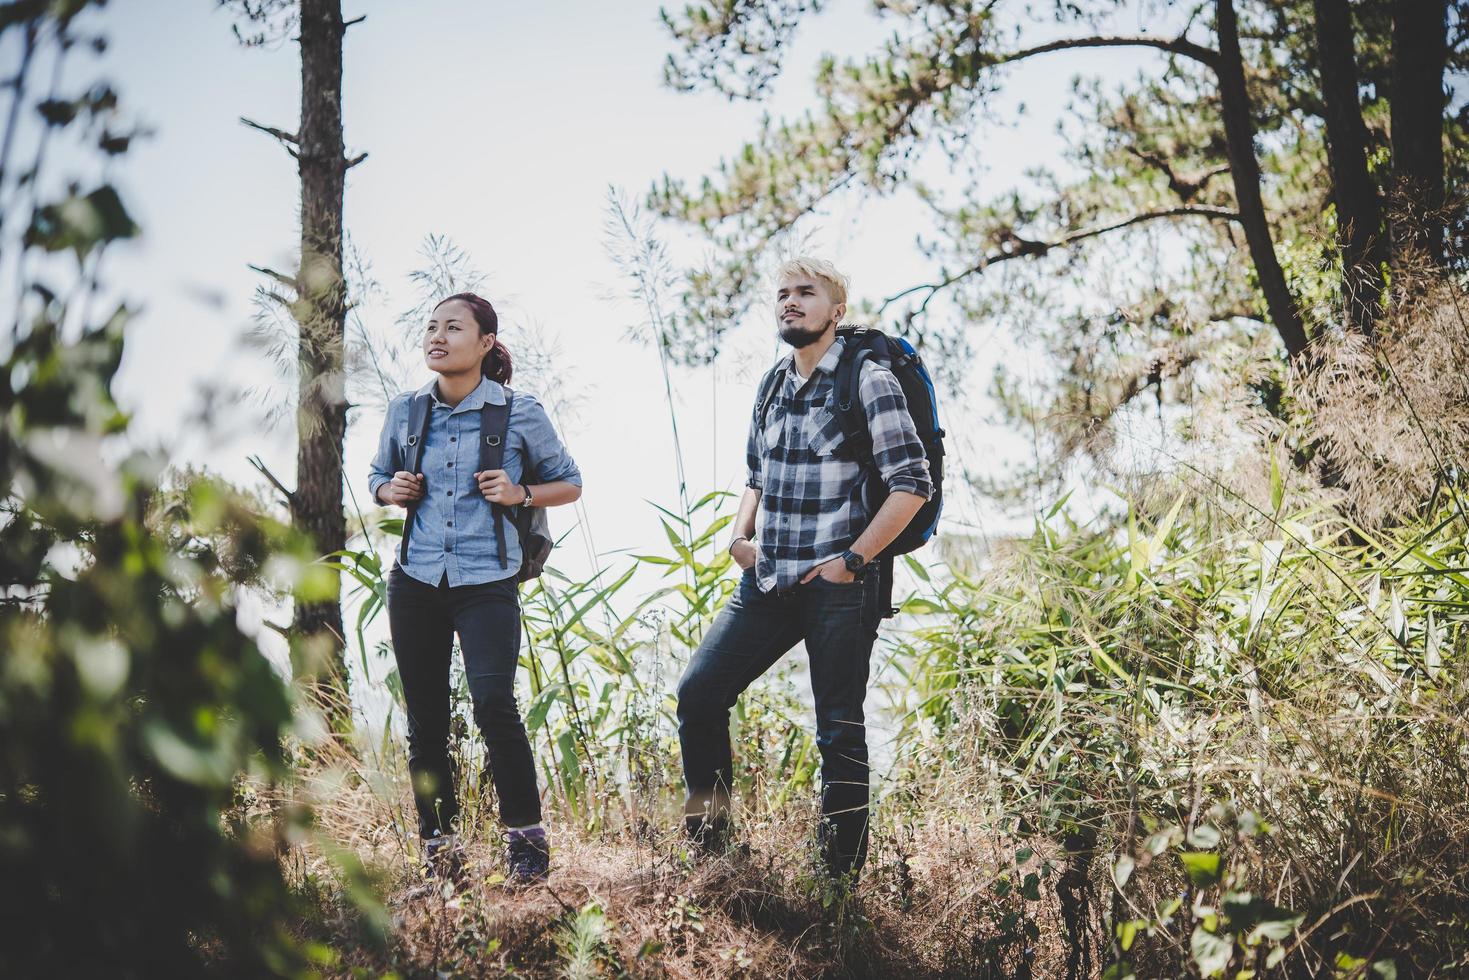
(601, 668)
(132, 707)
(1222, 919)
(1137, 671)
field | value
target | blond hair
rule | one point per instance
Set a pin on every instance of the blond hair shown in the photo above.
(820, 270)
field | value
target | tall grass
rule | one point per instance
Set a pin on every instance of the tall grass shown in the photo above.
(1217, 730)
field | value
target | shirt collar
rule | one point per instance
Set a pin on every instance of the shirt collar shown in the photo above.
(828, 362)
(486, 392)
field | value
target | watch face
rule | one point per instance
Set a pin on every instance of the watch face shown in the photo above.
(853, 561)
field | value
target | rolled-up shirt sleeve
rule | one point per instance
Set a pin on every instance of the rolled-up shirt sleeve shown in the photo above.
(896, 448)
(389, 456)
(548, 458)
(754, 455)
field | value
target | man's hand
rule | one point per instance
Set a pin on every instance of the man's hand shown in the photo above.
(402, 489)
(834, 570)
(498, 489)
(743, 552)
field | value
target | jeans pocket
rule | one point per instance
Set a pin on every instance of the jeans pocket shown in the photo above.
(853, 585)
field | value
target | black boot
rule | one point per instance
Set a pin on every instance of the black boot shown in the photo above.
(710, 835)
(843, 850)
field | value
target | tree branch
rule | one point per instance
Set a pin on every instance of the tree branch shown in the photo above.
(355, 20)
(259, 464)
(280, 277)
(354, 161)
(1186, 185)
(1178, 45)
(289, 140)
(1015, 247)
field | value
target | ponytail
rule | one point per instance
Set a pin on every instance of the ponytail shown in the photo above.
(497, 364)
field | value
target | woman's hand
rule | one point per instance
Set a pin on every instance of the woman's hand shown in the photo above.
(402, 489)
(743, 552)
(498, 489)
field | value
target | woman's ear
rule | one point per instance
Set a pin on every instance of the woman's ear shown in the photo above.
(486, 343)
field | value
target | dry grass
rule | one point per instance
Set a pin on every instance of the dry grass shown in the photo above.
(927, 907)
(1393, 410)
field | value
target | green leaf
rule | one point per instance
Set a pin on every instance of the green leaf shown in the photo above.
(1211, 952)
(1204, 836)
(1274, 929)
(535, 715)
(81, 223)
(1203, 867)
(1122, 870)
(1160, 535)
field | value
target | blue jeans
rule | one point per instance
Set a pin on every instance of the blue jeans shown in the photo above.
(423, 619)
(753, 631)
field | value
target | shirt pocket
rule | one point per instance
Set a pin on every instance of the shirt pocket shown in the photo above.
(824, 432)
(775, 420)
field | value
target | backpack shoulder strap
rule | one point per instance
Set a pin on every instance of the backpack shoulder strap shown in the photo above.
(418, 419)
(418, 416)
(494, 428)
(769, 385)
(846, 396)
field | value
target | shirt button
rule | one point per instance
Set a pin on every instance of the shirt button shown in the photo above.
(453, 438)
(449, 548)
(449, 493)
(451, 523)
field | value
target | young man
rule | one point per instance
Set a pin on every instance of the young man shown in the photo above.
(806, 544)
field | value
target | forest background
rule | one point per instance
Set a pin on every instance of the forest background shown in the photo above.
(1180, 688)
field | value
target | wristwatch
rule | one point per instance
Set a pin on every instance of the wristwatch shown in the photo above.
(854, 562)
(737, 540)
(527, 501)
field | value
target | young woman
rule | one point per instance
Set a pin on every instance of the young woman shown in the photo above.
(458, 576)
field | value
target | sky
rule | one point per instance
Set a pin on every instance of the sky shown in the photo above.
(501, 126)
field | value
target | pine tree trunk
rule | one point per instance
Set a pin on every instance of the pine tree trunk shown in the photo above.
(1239, 134)
(321, 419)
(1419, 57)
(1358, 211)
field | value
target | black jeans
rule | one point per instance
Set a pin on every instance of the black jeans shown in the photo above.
(423, 620)
(752, 632)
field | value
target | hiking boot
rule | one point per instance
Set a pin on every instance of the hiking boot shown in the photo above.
(529, 855)
(841, 867)
(713, 836)
(443, 858)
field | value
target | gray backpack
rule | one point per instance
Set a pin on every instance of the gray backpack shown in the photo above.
(531, 523)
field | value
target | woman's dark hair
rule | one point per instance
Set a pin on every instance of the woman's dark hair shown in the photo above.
(497, 365)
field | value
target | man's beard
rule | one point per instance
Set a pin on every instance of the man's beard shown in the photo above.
(798, 337)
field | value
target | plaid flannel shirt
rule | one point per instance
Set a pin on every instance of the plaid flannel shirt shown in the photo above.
(811, 501)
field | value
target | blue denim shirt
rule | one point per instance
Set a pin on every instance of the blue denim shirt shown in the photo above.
(454, 529)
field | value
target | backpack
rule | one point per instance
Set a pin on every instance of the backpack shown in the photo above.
(899, 357)
(531, 523)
